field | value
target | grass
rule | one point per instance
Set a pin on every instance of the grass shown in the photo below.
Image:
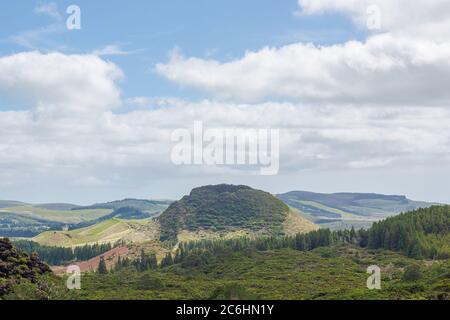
(295, 223)
(109, 231)
(320, 206)
(69, 216)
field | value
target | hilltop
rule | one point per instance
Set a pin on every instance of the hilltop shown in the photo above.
(229, 209)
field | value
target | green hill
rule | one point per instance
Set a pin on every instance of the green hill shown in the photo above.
(7, 204)
(344, 210)
(225, 209)
(18, 219)
(150, 206)
(57, 206)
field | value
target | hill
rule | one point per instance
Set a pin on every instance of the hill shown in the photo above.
(8, 203)
(57, 206)
(18, 219)
(343, 210)
(29, 220)
(225, 209)
(150, 206)
(109, 231)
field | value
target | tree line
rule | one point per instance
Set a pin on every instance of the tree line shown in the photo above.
(61, 256)
(423, 233)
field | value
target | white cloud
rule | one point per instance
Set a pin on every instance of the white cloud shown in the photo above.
(58, 84)
(423, 18)
(110, 50)
(383, 70)
(49, 9)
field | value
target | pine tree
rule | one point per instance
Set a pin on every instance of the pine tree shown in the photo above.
(102, 269)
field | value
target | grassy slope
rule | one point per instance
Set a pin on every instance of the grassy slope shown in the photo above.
(64, 216)
(325, 273)
(108, 231)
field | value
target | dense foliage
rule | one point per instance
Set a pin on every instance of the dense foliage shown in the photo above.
(334, 272)
(423, 233)
(16, 266)
(224, 208)
(61, 256)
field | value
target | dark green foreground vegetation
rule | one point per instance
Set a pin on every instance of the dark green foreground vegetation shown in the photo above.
(59, 256)
(412, 251)
(337, 272)
(318, 265)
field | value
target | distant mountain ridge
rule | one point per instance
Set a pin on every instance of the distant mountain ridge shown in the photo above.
(144, 205)
(345, 209)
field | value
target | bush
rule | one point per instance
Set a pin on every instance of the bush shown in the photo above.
(412, 273)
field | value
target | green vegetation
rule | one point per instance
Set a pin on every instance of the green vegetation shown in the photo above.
(148, 206)
(411, 249)
(26, 277)
(102, 269)
(317, 265)
(28, 221)
(59, 255)
(18, 219)
(423, 233)
(109, 231)
(336, 272)
(224, 208)
(61, 216)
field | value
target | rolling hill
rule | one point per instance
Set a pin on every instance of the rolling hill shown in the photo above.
(228, 209)
(153, 207)
(343, 210)
(19, 219)
(210, 212)
(109, 231)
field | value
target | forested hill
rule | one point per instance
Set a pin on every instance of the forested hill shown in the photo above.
(423, 233)
(224, 208)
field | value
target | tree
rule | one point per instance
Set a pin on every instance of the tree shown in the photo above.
(167, 261)
(102, 269)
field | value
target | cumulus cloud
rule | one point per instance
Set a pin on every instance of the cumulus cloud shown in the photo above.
(60, 84)
(406, 63)
(383, 70)
(426, 18)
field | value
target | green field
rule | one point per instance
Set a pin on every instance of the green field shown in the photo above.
(64, 216)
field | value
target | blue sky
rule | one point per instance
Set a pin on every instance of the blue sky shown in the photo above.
(87, 115)
(149, 30)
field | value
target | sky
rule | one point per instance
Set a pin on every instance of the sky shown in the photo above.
(357, 88)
